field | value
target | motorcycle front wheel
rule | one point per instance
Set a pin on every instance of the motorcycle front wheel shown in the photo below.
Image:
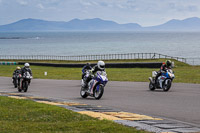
(83, 92)
(25, 86)
(19, 88)
(98, 93)
(167, 86)
(15, 83)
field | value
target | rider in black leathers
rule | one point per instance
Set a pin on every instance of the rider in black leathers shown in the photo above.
(85, 68)
(16, 72)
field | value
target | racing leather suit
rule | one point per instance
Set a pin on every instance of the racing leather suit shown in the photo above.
(85, 68)
(163, 68)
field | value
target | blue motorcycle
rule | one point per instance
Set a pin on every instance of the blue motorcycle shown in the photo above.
(163, 82)
(95, 87)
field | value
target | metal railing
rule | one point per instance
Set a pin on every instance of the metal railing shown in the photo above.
(192, 61)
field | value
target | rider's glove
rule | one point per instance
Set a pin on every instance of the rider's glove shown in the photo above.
(91, 73)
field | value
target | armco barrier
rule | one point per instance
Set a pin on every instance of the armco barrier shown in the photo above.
(8, 63)
(108, 65)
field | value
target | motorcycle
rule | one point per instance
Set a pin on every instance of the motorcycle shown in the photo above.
(163, 82)
(95, 88)
(16, 79)
(25, 80)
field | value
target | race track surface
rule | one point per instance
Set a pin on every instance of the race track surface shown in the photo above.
(181, 103)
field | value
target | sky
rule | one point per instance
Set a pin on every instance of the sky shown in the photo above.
(143, 12)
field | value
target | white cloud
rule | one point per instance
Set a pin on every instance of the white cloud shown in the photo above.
(22, 2)
(40, 6)
(86, 3)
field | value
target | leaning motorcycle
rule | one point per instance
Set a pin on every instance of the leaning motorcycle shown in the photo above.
(163, 82)
(95, 88)
(16, 79)
(25, 82)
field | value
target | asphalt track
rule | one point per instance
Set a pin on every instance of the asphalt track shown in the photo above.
(181, 103)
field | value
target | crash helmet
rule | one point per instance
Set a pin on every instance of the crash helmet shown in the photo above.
(26, 65)
(168, 63)
(101, 65)
(88, 64)
(18, 68)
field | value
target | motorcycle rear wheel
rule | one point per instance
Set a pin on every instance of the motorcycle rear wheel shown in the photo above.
(151, 86)
(83, 93)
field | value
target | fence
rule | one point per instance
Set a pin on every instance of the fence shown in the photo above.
(99, 57)
(193, 61)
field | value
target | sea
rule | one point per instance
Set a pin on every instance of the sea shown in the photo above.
(179, 44)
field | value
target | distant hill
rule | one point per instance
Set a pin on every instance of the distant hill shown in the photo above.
(96, 24)
(189, 24)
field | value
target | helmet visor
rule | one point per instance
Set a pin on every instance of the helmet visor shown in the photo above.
(102, 66)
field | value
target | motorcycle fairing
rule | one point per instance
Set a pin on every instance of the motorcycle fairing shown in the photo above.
(161, 80)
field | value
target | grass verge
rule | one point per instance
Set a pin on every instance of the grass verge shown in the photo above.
(184, 73)
(18, 116)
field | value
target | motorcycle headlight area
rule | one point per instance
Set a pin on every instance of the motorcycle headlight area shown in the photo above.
(170, 75)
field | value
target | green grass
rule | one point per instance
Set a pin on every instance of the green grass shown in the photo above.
(17, 116)
(184, 73)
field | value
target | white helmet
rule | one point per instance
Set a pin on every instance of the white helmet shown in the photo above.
(101, 65)
(26, 65)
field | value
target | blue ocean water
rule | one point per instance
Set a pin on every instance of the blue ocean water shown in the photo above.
(181, 44)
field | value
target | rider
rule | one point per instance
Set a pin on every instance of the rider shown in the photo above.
(26, 68)
(85, 68)
(99, 67)
(17, 71)
(166, 65)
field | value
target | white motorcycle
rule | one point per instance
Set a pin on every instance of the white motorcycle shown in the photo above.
(163, 82)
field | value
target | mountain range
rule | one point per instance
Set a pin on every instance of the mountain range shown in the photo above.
(97, 24)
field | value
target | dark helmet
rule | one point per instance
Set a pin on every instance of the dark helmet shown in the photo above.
(168, 63)
(88, 64)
